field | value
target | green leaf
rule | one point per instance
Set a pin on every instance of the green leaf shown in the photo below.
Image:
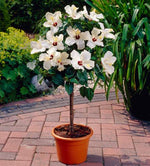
(110, 83)
(119, 59)
(83, 91)
(140, 23)
(69, 87)
(131, 53)
(89, 93)
(2, 94)
(69, 72)
(134, 16)
(147, 31)
(133, 81)
(82, 77)
(99, 73)
(74, 80)
(24, 90)
(125, 31)
(140, 69)
(58, 79)
(147, 5)
(146, 61)
(9, 74)
(92, 5)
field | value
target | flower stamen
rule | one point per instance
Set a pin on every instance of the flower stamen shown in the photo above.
(94, 39)
(51, 57)
(80, 63)
(55, 24)
(54, 43)
(77, 37)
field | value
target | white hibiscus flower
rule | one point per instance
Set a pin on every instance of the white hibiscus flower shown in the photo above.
(31, 65)
(95, 40)
(55, 41)
(53, 21)
(78, 37)
(81, 61)
(106, 33)
(107, 61)
(93, 16)
(49, 58)
(72, 11)
(62, 60)
(39, 46)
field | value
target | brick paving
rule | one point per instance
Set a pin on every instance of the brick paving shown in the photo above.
(118, 140)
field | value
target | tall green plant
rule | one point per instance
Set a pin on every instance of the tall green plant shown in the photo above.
(4, 16)
(131, 19)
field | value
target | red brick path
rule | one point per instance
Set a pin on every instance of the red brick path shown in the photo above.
(118, 140)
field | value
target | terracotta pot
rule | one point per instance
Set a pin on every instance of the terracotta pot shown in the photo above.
(72, 150)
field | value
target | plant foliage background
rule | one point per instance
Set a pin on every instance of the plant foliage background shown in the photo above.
(131, 19)
(15, 77)
(26, 14)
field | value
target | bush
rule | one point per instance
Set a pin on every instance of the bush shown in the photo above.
(15, 77)
(4, 16)
(26, 14)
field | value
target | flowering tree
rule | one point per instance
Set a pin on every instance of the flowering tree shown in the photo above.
(75, 49)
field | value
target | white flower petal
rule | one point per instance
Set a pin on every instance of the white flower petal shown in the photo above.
(85, 35)
(43, 57)
(107, 61)
(80, 44)
(31, 65)
(47, 65)
(95, 31)
(86, 55)
(91, 44)
(70, 41)
(89, 64)
(110, 36)
(74, 54)
(71, 31)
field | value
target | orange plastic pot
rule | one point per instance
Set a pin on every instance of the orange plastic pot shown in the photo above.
(72, 150)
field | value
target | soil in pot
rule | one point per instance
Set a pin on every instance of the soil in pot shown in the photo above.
(79, 131)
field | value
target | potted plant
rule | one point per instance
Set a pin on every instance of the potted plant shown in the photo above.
(131, 19)
(75, 49)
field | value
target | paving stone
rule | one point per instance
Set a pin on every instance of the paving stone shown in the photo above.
(125, 142)
(53, 117)
(14, 163)
(38, 142)
(57, 164)
(118, 151)
(3, 136)
(7, 155)
(12, 145)
(142, 149)
(26, 153)
(112, 161)
(41, 160)
(109, 135)
(35, 126)
(46, 149)
(103, 144)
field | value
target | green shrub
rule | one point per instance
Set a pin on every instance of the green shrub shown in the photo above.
(26, 14)
(4, 16)
(15, 77)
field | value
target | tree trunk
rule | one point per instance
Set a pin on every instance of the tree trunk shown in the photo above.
(71, 112)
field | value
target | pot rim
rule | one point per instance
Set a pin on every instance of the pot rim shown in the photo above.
(72, 139)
